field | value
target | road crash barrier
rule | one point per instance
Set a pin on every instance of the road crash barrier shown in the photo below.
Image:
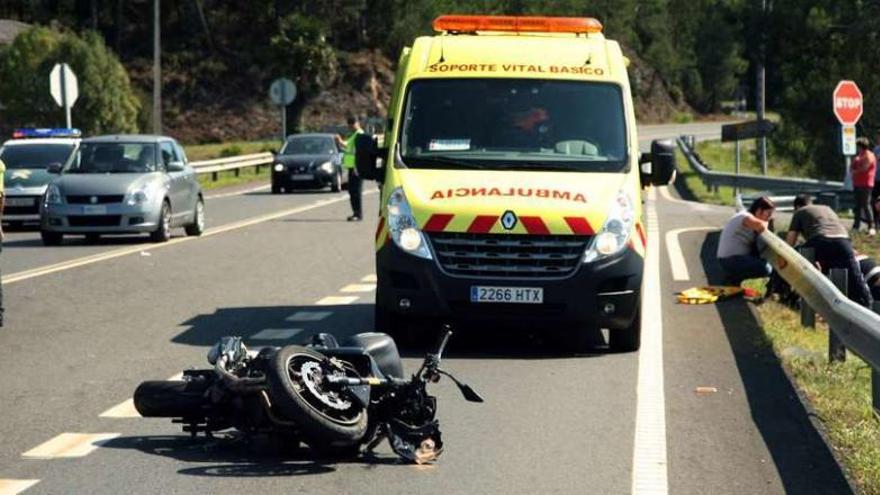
(234, 163)
(851, 326)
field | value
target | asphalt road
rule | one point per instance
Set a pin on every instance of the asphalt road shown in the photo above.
(82, 333)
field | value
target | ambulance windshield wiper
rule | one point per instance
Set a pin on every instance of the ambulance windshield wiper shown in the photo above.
(445, 162)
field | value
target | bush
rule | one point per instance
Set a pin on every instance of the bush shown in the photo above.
(106, 101)
(233, 150)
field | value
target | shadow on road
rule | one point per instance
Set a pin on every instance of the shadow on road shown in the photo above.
(471, 342)
(803, 460)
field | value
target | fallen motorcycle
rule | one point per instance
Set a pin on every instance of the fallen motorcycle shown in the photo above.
(338, 399)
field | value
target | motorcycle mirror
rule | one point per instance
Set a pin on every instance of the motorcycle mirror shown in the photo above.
(469, 394)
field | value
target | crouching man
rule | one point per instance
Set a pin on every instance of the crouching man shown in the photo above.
(738, 249)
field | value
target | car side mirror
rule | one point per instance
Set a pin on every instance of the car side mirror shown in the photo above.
(366, 156)
(54, 168)
(658, 167)
(176, 166)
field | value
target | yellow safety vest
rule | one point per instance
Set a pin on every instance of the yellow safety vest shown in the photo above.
(348, 157)
(2, 175)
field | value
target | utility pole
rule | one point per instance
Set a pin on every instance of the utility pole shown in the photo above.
(760, 96)
(157, 71)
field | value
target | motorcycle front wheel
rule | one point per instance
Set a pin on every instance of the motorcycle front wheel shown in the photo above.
(328, 420)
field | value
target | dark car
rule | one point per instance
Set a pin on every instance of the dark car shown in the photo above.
(308, 161)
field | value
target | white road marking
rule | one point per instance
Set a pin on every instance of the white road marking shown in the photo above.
(176, 377)
(664, 191)
(334, 300)
(676, 256)
(124, 410)
(652, 193)
(67, 445)
(358, 288)
(88, 260)
(649, 449)
(369, 278)
(276, 333)
(14, 487)
(239, 193)
(308, 316)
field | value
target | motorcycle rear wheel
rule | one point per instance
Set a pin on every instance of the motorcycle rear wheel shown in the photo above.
(324, 427)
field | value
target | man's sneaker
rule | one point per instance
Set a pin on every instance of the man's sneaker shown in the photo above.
(354, 218)
(872, 232)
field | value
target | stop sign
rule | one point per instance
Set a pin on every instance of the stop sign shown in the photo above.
(847, 103)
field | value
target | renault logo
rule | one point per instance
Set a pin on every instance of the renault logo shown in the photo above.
(508, 220)
(93, 199)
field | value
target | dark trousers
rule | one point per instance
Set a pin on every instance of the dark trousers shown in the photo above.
(1, 296)
(863, 210)
(838, 253)
(354, 192)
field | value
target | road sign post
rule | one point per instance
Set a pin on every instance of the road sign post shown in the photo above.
(64, 88)
(282, 92)
(847, 103)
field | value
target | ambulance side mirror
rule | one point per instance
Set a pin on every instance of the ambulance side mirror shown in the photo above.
(658, 167)
(366, 157)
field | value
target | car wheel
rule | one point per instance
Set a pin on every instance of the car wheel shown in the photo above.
(627, 339)
(198, 224)
(336, 185)
(326, 418)
(276, 188)
(163, 229)
(51, 238)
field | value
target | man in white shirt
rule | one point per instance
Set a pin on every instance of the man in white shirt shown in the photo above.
(737, 248)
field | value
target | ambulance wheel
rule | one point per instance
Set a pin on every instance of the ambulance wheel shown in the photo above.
(627, 339)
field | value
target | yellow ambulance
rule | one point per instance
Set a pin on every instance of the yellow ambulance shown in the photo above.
(512, 178)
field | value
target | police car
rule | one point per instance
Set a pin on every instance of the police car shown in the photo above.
(28, 157)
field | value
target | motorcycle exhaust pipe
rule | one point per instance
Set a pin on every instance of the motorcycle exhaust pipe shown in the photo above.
(171, 399)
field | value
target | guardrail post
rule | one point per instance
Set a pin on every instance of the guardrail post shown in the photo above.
(836, 349)
(808, 316)
(214, 176)
(237, 171)
(875, 378)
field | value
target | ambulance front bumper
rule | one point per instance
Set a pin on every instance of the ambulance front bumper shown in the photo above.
(602, 294)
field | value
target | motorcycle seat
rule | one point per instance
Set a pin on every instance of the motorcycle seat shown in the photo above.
(381, 348)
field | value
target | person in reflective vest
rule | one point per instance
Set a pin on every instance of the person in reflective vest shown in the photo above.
(348, 162)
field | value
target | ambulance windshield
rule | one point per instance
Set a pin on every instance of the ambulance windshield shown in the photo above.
(514, 124)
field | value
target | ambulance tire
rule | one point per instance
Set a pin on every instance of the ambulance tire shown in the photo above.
(627, 339)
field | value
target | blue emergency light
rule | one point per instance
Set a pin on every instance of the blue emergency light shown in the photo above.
(46, 133)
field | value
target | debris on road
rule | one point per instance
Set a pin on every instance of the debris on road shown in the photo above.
(706, 390)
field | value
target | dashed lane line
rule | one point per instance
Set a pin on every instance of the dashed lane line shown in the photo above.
(14, 487)
(370, 278)
(124, 410)
(334, 300)
(88, 260)
(276, 333)
(676, 256)
(308, 316)
(68, 445)
(358, 288)
(649, 448)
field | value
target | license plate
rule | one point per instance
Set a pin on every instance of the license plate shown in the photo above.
(20, 201)
(515, 295)
(303, 177)
(94, 210)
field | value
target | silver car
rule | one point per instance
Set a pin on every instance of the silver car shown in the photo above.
(123, 184)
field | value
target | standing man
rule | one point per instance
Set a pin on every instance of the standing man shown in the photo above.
(864, 169)
(825, 233)
(348, 162)
(875, 193)
(2, 203)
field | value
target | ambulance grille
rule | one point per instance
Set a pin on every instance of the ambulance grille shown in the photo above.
(508, 255)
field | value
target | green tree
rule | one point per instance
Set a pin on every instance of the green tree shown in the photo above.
(106, 102)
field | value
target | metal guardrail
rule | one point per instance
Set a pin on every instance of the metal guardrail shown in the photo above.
(751, 181)
(234, 163)
(851, 326)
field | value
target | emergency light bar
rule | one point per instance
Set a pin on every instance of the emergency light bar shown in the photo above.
(46, 133)
(472, 23)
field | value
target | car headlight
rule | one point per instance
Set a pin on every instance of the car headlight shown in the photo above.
(141, 195)
(53, 195)
(614, 235)
(278, 167)
(326, 167)
(403, 227)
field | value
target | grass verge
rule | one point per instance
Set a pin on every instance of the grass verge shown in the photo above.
(198, 152)
(228, 178)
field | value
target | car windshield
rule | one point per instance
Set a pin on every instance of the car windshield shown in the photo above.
(107, 158)
(35, 155)
(514, 124)
(312, 145)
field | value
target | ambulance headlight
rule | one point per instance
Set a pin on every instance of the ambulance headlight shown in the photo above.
(403, 227)
(614, 235)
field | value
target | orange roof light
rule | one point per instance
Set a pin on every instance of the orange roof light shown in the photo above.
(471, 23)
